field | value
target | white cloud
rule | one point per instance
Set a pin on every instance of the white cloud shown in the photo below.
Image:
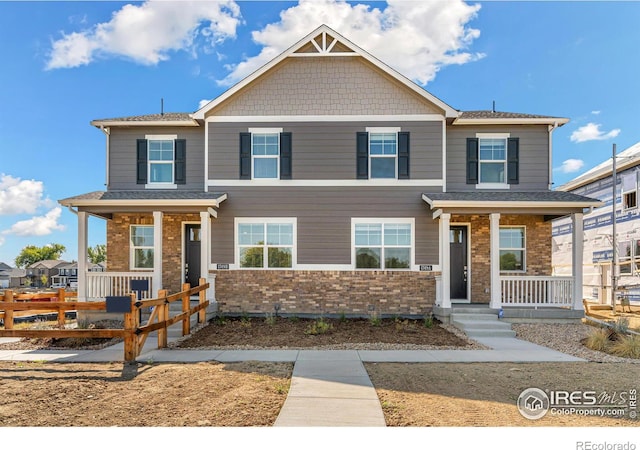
(595, 113)
(19, 196)
(592, 132)
(416, 38)
(203, 102)
(1, 240)
(570, 166)
(146, 33)
(38, 225)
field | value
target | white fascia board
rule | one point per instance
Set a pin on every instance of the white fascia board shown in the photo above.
(513, 121)
(215, 202)
(329, 118)
(142, 123)
(508, 204)
(449, 111)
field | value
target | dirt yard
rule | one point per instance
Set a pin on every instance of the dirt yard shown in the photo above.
(252, 393)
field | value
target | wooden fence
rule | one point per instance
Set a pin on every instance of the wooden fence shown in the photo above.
(134, 333)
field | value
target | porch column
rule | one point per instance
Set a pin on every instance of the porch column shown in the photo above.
(445, 253)
(494, 260)
(205, 250)
(83, 225)
(157, 252)
(577, 260)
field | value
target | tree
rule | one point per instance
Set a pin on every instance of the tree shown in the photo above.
(97, 254)
(32, 254)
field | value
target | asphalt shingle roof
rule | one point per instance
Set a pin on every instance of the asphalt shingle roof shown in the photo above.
(146, 195)
(509, 196)
(488, 114)
(165, 117)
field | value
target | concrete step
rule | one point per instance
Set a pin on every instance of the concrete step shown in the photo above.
(472, 310)
(481, 324)
(472, 316)
(490, 333)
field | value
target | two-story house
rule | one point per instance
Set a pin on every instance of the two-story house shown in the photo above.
(326, 182)
(40, 273)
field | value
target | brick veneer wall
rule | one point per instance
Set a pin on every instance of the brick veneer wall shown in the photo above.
(118, 244)
(325, 292)
(538, 249)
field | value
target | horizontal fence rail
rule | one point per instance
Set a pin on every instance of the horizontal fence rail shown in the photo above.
(537, 291)
(102, 284)
(134, 333)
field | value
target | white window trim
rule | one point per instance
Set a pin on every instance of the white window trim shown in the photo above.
(395, 220)
(375, 130)
(132, 249)
(524, 249)
(265, 220)
(265, 131)
(504, 136)
(161, 185)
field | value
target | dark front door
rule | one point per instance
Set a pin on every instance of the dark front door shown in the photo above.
(192, 255)
(458, 262)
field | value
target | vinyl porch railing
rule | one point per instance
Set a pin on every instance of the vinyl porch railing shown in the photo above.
(534, 291)
(102, 284)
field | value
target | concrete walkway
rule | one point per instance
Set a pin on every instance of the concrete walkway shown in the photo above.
(328, 388)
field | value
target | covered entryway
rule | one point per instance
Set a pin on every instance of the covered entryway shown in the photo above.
(162, 237)
(511, 257)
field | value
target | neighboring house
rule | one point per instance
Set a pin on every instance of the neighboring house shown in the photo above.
(10, 277)
(39, 274)
(327, 182)
(598, 228)
(68, 274)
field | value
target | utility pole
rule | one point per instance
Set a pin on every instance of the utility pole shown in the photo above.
(614, 256)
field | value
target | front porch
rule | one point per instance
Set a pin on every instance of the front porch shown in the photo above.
(495, 252)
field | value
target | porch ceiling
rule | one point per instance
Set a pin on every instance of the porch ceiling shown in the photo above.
(549, 203)
(105, 203)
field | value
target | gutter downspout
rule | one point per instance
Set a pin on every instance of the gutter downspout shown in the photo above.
(550, 129)
(107, 132)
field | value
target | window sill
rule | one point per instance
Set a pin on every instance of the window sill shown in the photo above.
(493, 186)
(161, 186)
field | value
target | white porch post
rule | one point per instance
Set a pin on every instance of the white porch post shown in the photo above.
(157, 252)
(445, 254)
(577, 260)
(494, 258)
(205, 251)
(83, 225)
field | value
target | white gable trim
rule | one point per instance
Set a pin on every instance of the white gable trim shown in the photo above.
(328, 118)
(325, 30)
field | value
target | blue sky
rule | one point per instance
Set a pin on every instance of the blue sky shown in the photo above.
(67, 63)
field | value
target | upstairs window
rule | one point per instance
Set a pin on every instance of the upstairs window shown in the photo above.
(624, 257)
(493, 160)
(161, 161)
(265, 154)
(382, 153)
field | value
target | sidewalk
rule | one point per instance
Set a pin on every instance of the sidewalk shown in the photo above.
(328, 387)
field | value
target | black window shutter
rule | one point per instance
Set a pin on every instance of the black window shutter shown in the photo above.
(141, 170)
(362, 155)
(472, 161)
(180, 167)
(513, 154)
(245, 156)
(403, 155)
(285, 156)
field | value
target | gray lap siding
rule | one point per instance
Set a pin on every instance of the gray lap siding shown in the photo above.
(325, 150)
(324, 218)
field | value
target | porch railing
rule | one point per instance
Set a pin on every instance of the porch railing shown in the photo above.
(101, 284)
(537, 291)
